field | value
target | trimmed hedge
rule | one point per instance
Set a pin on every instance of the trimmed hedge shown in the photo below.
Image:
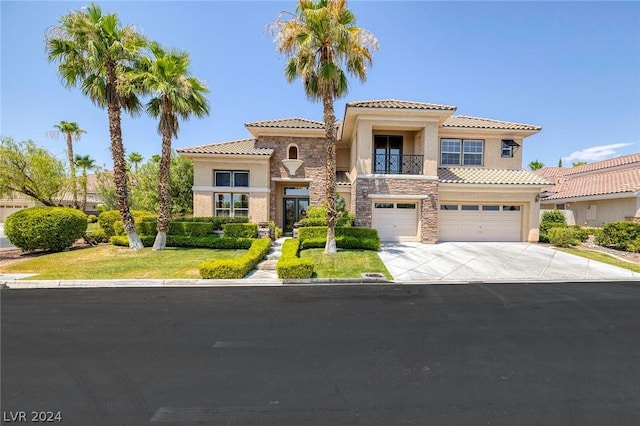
(98, 236)
(107, 220)
(240, 230)
(212, 242)
(346, 237)
(290, 265)
(45, 228)
(239, 267)
(217, 221)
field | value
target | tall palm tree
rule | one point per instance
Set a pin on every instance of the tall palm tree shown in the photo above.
(72, 132)
(174, 94)
(85, 162)
(135, 158)
(321, 40)
(94, 51)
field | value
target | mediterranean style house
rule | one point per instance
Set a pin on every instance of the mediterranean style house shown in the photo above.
(596, 193)
(412, 170)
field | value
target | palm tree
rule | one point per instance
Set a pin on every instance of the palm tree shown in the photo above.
(535, 165)
(175, 94)
(85, 163)
(72, 131)
(320, 40)
(135, 158)
(94, 51)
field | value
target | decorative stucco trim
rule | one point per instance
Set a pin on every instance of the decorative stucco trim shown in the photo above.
(280, 179)
(590, 198)
(414, 197)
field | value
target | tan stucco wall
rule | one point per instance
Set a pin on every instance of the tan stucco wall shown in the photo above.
(530, 209)
(612, 210)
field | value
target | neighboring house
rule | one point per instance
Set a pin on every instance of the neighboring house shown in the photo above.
(412, 170)
(20, 201)
(605, 191)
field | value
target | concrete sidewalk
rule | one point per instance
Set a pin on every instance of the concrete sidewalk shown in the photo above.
(491, 262)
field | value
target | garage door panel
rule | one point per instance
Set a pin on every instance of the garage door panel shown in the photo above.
(396, 221)
(481, 223)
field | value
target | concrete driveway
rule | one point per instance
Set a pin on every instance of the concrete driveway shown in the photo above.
(448, 262)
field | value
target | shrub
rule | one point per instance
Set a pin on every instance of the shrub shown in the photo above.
(240, 230)
(290, 265)
(107, 219)
(276, 232)
(46, 228)
(92, 218)
(239, 267)
(98, 236)
(622, 235)
(580, 233)
(212, 242)
(551, 219)
(123, 240)
(346, 237)
(191, 229)
(563, 237)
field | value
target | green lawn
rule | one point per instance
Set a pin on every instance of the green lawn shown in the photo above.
(345, 263)
(107, 261)
(602, 257)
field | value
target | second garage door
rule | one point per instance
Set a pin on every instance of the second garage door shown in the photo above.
(479, 222)
(396, 221)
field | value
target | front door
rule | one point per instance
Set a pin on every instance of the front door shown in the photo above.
(294, 210)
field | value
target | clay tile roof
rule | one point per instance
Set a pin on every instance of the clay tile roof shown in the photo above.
(473, 175)
(237, 147)
(485, 123)
(613, 182)
(604, 164)
(288, 123)
(396, 104)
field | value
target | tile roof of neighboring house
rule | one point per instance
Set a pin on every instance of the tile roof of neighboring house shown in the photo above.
(461, 121)
(480, 175)
(237, 147)
(288, 123)
(396, 104)
(622, 161)
(618, 181)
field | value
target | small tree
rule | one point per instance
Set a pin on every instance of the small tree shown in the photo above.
(135, 158)
(579, 163)
(30, 170)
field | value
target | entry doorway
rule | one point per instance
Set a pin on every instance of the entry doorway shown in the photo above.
(294, 210)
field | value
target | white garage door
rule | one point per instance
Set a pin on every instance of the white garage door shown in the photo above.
(396, 221)
(478, 222)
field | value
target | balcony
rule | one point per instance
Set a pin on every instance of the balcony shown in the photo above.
(394, 164)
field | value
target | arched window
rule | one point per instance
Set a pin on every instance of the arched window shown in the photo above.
(292, 152)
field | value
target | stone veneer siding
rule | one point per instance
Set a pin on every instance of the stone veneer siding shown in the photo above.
(424, 190)
(312, 152)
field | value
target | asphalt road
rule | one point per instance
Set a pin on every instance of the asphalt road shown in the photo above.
(504, 354)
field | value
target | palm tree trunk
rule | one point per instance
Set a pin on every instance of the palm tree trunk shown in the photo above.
(72, 170)
(164, 192)
(119, 164)
(83, 206)
(329, 122)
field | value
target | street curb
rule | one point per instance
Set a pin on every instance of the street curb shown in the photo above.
(177, 283)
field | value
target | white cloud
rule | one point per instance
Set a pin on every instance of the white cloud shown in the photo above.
(595, 153)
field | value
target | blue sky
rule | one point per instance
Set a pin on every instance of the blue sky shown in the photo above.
(571, 67)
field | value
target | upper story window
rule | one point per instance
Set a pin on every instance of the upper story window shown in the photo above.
(292, 152)
(461, 152)
(507, 148)
(231, 178)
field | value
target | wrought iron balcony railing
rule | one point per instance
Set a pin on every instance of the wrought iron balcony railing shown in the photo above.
(397, 164)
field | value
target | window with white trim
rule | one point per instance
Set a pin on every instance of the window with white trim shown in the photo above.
(461, 152)
(232, 178)
(231, 204)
